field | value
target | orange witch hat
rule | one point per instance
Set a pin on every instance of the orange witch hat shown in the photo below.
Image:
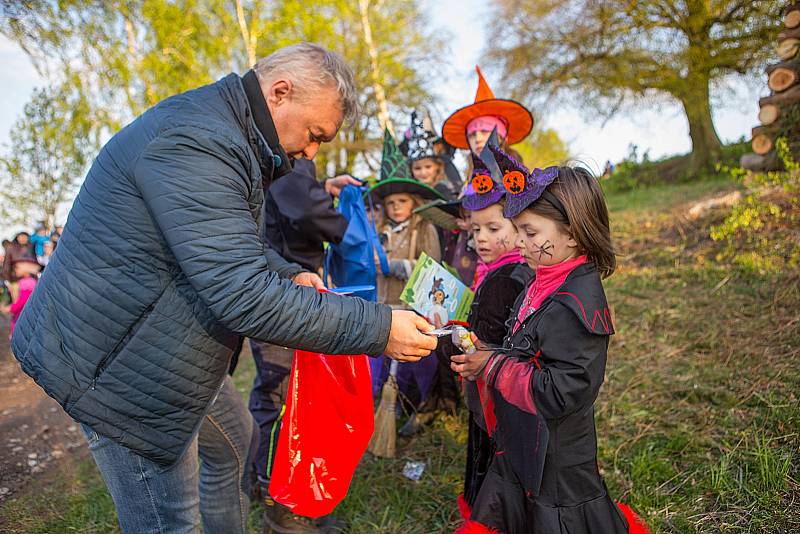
(519, 119)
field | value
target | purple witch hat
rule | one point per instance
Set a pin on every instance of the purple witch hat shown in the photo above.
(522, 187)
(486, 186)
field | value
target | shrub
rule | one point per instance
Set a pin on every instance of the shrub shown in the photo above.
(761, 233)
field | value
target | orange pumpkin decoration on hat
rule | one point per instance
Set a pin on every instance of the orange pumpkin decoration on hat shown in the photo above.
(514, 182)
(482, 183)
(518, 118)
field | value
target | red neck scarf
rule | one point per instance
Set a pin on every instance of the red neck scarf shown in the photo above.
(548, 279)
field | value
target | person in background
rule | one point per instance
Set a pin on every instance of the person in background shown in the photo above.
(26, 272)
(405, 236)
(5, 294)
(38, 239)
(299, 217)
(47, 251)
(19, 249)
(427, 165)
(56, 235)
(608, 170)
(469, 128)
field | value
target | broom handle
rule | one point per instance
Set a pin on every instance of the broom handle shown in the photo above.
(393, 368)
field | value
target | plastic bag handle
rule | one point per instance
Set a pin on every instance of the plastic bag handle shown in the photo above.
(376, 245)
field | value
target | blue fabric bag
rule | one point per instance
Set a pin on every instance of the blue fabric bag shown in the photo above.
(351, 262)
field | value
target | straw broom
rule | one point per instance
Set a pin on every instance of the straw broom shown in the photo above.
(385, 437)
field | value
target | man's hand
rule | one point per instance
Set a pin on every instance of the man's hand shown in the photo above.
(470, 366)
(334, 185)
(308, 279)
(407, 342)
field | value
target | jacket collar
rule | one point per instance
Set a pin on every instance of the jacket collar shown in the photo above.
(582, 293)
(264, 124)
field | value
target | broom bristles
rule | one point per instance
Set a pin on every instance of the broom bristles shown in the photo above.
(384, 439)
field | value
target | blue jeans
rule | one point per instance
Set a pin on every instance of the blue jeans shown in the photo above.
(208, 483)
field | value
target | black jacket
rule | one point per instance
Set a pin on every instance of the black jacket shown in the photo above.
(299, 216)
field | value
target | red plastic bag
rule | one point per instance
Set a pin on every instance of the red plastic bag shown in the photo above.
(327, 425)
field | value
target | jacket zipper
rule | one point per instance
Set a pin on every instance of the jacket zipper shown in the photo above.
(102, 365)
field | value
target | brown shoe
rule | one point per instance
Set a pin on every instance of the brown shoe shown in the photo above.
(278, 519)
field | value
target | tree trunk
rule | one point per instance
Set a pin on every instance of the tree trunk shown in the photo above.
(706, 146)
(380, 95)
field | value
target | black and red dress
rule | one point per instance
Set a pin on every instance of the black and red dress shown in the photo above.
(493, 304)
(538, 402)
(488, 318)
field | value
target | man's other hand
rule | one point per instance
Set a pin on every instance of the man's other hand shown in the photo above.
(308, 279)
(334, 185)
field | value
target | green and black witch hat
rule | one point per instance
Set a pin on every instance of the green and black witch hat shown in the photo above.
(395, 176)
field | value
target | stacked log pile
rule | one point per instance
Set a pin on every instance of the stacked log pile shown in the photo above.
(779, 112)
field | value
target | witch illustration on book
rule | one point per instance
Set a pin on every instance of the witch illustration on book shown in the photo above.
(437, 313)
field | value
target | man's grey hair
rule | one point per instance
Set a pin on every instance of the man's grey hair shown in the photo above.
(310, 67)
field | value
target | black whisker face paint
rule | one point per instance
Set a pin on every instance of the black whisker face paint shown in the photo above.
(544, 249)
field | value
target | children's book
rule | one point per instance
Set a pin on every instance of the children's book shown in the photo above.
(433, 292)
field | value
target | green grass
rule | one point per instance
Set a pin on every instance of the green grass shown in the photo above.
(664, 196)
(72, 498)
(698, 421)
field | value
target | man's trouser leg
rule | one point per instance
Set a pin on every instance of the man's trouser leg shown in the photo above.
(225, 444)
(149, 499)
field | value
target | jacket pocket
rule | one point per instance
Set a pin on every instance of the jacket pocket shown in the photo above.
(110, 355)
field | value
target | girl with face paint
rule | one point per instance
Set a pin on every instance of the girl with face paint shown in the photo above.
(542, 383)
(469, 128)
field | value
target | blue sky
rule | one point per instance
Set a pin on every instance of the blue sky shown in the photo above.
(660, 129)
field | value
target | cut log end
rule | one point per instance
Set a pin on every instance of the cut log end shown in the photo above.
(781, 79)
(762, 144)
(758, 163)
(769, 114)
(788, 49)
(792, 19)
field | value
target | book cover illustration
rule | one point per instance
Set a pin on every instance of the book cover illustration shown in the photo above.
(433, 292)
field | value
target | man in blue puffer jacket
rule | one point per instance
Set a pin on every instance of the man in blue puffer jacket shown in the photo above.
(162, 269)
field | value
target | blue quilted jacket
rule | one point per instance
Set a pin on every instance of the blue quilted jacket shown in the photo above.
(160, 271)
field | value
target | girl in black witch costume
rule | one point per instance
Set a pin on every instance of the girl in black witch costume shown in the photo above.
(541, 386)
(501, 276)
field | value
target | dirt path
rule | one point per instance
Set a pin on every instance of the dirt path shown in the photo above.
(35, 433)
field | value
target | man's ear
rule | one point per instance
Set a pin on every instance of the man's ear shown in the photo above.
(279, 92)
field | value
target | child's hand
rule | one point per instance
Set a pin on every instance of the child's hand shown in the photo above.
(5, 309)
(400, 269)
(469, 366)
